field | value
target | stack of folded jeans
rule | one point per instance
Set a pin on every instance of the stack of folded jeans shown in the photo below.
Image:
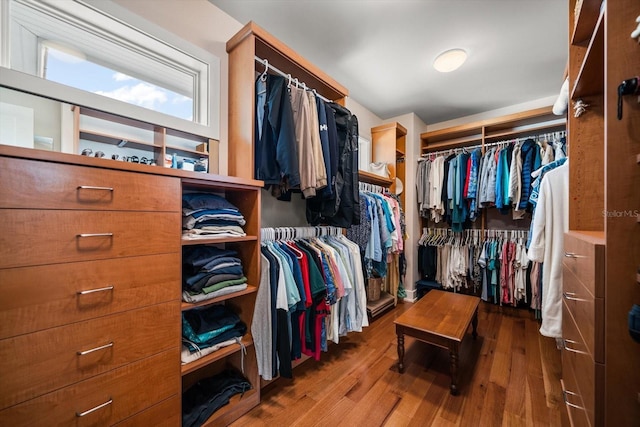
(209, 272)
(209, 215)
(210, 394)
(206, 327)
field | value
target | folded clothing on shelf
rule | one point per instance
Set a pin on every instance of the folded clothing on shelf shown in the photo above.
(210, 215)
(208, 326)
(207, 269)
(210, 394)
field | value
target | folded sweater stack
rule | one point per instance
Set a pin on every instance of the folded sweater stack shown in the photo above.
(210, 272)
(209, 215)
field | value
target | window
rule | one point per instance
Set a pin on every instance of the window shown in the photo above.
(81, 73)
(73, 43)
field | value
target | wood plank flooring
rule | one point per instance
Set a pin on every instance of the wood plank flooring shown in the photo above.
(509, 376)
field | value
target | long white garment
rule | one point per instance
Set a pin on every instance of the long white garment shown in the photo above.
(361, 294)
(261, 323)
(550, 223)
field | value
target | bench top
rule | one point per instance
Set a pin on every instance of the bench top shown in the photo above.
(441, 313)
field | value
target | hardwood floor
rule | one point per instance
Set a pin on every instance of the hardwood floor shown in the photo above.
(509, 376)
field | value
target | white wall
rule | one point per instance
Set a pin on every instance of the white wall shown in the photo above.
(46, 115)
(366, 119)
(414, 127)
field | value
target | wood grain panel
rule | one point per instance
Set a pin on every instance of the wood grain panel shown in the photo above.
(164, 414)
(576, 356)
(37, 363)
(31, 237)
(587, 259)
(132, 388)
(44, 185)
(35, 298)
(588, 313)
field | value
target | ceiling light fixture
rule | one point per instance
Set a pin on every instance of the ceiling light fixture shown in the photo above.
(450, 60)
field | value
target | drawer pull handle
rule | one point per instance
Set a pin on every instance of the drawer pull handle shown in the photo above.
(95, 235)
(102, 347)
(90, 291)
(572, 350)
(91, 187)
(572, 255)
(566, 400)
(571, 296)
(88, 411)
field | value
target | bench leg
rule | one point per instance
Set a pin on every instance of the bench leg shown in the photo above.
(453, 356)
(400, 352)
(474, 323)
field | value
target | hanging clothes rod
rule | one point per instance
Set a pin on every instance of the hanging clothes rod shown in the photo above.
(297, 82)
(470, 148)
(291, 233)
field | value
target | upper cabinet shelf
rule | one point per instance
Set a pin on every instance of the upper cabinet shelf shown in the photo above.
(586, 16)
(590, 79)
(492, 130)
(372, 178)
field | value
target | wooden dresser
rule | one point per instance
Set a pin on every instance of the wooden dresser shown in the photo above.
(90, 274)
(583, 326)
(90, 291)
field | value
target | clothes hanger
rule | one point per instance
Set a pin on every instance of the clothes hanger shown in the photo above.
(263, 76)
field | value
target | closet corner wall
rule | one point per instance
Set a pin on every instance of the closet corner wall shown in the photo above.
(600, 361)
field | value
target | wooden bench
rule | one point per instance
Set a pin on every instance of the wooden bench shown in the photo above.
(442, 319)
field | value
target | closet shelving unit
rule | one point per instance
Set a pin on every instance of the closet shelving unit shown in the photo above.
(246, 197)
(600, 364)
(388, 144)
(113, 131)
(480, 133)
(244, 47)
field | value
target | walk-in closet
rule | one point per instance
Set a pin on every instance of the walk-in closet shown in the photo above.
(311, 213)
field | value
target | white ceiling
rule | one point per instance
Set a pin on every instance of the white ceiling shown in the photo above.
(382, 50)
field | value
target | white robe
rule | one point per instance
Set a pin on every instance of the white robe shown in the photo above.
(551, 221)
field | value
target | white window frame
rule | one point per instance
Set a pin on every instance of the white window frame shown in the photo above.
(135, 36)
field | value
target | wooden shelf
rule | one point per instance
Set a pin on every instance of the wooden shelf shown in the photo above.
(452, 143)
(105, 138)
(186, 150)
(202, 241)
(585, 21)
(189, 305)
(216, 355)
(590, 79)
(375, 308)
(239, 403)
(372, 178)
(559, 124)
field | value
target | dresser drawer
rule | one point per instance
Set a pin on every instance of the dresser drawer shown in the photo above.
(572, 401)
(124, 392)
(45, 185)
(167, 413)
(584, 257)
(32, 237)
(575, 354)
(36, 298)
(587, 311)
(37, 363)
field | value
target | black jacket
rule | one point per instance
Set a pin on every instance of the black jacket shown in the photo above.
(343, 209)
